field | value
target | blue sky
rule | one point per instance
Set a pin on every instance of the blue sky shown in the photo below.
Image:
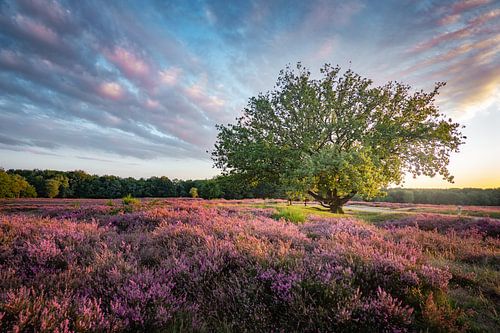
(135, 88)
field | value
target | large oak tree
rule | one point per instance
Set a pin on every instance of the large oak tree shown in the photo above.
(337, 136)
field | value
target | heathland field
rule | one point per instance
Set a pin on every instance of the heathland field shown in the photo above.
(175, 265)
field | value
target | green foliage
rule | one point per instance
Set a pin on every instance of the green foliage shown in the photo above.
(15, 186)
(129, 200)
(337, 136)
(210, 189)
(292, 214)
(51, 188)
(453, 196)
(78, 184)
(193, 192)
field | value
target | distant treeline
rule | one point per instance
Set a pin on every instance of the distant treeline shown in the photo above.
(453, 196)
(79, 184)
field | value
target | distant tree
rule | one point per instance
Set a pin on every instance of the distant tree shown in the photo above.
(160, 187)
(27, 191)
(233, 187)
(52, 188)
(210, 189)
(337, 136)
(401, 195)
(15, 186)
(193, 192)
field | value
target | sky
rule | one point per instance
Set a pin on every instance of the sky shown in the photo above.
(135, 88)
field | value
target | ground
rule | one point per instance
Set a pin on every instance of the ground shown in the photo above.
(248, 265)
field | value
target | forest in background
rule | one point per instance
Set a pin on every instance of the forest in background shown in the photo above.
(79, 184)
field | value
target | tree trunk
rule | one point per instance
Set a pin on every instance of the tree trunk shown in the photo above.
(336, 209)
(333, 202)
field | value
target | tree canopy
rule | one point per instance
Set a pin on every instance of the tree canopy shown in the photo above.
(337, 136)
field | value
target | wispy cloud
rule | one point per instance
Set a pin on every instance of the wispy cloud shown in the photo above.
(152, 79)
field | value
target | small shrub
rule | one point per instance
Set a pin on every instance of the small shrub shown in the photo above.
(193, 192)
(130, 200)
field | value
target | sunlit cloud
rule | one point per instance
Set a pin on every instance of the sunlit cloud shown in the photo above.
(162, 75)
(111, 90)
(152, 104)
(129, 63)
(36, 30)
(464, 5)
(170, 76)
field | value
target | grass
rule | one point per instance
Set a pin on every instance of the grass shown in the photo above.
(292, 214)
(299, 213)
(474, 288)
(376, 217)
(495, 215)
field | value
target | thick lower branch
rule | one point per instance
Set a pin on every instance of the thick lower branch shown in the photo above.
(332, 201)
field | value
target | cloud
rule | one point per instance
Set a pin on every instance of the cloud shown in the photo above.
(36, 30)
(456, 10)
(472, 27)
(151, 80)
(76, 63)
(111, 90)
(49, 11)
(170, 76)
(464, 5)
(129, 63)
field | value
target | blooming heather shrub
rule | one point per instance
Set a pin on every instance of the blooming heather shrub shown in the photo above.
(471, 247)
(445, 223)
(146, 301)
(382, 313)
(85, 213)
(28, 310)
(185, 266)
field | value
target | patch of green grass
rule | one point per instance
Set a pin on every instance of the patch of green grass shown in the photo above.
(314, 210)
(481, 311)
(474, 288)
(291, 214)
(370, 217)
(376, 217)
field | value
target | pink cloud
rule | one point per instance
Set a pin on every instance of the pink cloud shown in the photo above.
(49, 10)
(195, 91)
(457, 59)
(129, 63)
(325, 50)
(325, 14)
(170, 76)
(207, 102)
(36, 30)
(471, 28)
(485, 17)
(9, 58)
(152, 103)
(455, 13)
(111, 90)
(449, 19)
(464, 5)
